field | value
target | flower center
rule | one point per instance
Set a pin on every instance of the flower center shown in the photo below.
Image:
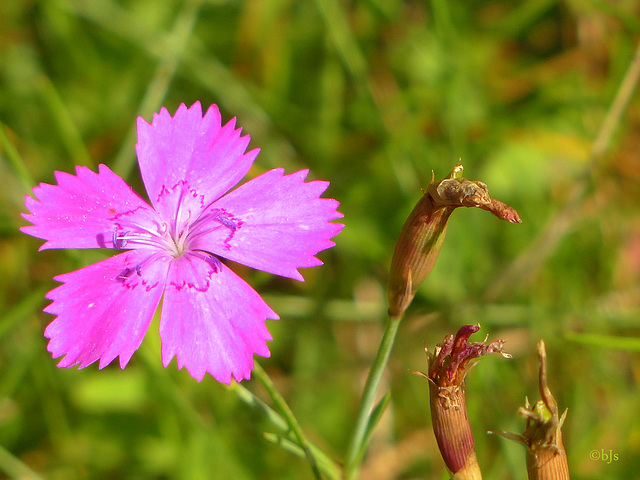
(177, 239)
(188, 225)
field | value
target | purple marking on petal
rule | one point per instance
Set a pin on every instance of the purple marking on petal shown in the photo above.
(284, 224)
(214, 263)
(193, 271)
(217, 330)
(227, 219)
(192, 147)
(116, 215)
(125, 274)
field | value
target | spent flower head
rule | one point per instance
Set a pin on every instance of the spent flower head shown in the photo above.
(448, 366)
(211, 319)
(422, 235)
(542, 437)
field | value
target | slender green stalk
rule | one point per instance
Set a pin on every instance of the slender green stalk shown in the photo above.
(63, 122)
(169, 50)
(250, 399)
(326, 465)
(285, 411)
(156, 92)
(374, 419)
(346, 45)
(14, 467)
(197, 64)
(330, 468)
(15, 160)
(357, 445)
(557, 227)
(617, 108)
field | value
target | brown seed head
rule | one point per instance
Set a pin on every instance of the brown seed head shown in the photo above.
(546, 455)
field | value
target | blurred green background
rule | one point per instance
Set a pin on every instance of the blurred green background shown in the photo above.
(372, 95)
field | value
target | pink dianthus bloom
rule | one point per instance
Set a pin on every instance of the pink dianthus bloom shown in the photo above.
(211, 320)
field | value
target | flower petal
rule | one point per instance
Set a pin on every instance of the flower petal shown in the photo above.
(104, 310)
(215, 325)
(275, 223)
(188, 147)
(84, 210)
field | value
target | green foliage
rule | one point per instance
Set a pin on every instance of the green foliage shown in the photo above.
(371, 95)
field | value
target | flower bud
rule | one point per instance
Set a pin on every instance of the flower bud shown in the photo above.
(448, 366)
(423, 233)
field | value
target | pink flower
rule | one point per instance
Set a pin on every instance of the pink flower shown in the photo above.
(211, 320)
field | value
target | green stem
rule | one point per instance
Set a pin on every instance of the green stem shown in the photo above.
(564, 220)
(327, 466)
(285, 411)
(63, 122)
(617, 108)
(171, 54)
(14, 467)
(357, 444)
(15, 160)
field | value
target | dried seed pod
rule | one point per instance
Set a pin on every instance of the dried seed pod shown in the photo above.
(546, 455)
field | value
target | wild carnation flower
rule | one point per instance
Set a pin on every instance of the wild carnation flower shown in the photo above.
(211, 320)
